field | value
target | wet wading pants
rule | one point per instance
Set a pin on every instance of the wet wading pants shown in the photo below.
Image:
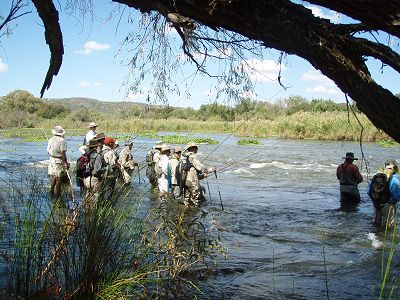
(349, 195)
(152, 176)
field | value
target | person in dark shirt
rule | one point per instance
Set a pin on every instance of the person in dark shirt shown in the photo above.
(349, 177)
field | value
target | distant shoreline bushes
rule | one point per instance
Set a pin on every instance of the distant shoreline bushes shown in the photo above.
(294, 117)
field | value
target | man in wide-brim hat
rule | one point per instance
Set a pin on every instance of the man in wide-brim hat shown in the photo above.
(126, 162)
(195, 171)
(175, 174)
(58, 164)
(349, 177)
(92, 182)
(163, 172)
(91, 132)
(152, 158)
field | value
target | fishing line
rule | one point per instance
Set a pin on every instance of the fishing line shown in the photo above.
(237, 128)
(349, 107)
(247, 156)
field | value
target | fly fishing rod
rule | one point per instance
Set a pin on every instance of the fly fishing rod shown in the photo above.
(219, 191)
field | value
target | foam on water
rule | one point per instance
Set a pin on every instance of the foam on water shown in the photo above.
(292, 166)
(240, 171)
(377, 244)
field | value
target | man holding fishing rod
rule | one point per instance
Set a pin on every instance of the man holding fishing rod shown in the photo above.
(57, 149)
(192, 172)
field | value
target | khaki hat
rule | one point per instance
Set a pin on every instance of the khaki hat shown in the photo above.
(58, 130)
(390, 164)
(128, 142)
(159, 144)
(99, 136)
(165, 147)
(92, 124)
(190, 145)
(93, 143)
(177, 149)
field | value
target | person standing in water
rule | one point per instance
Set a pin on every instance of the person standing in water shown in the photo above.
(57, 149)
(349, 177)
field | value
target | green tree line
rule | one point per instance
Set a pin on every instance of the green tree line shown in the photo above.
(293, 117)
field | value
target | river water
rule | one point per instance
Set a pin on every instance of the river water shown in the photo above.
(284, 235)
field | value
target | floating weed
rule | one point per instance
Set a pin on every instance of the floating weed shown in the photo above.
(248, 142)
(178, 139)
(388, 143)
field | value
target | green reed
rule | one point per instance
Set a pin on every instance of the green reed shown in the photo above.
(102, 248)
(388, 291)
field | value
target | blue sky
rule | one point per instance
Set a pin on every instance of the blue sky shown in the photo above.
(92, 64)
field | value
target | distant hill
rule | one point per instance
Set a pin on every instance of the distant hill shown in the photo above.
(78, 103)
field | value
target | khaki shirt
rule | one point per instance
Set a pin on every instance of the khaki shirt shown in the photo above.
(55, 146)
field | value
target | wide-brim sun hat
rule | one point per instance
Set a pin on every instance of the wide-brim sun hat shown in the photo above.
(190, 145)
(92, 124)
(58, 130)
(165, 147)
(158, 144)
(100, 136)
(93, 143)
(350, 155)
(390, 164)
(177, 149)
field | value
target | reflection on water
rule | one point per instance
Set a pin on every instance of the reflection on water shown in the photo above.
(284, 235)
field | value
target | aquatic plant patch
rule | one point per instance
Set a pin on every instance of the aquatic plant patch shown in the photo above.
(178, 139)
(248, 142)
(388, 143)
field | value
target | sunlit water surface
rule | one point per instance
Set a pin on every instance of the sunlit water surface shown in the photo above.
(280, 223)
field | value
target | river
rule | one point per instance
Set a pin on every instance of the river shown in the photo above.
(284, 235)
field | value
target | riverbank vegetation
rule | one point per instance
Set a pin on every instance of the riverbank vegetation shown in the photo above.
(115, 248)
(294, 117)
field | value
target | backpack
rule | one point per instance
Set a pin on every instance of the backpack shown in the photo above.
(82, 168)
(379, 190)
(149, 157)
(182, 170)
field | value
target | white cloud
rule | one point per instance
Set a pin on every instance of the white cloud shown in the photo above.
(316, 76)
(84, 84)
(262, 70)
(334, 17)
(324, 84)
(320, 89)
(3, 66)
(91, 46)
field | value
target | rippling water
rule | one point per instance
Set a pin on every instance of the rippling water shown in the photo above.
(280, 219)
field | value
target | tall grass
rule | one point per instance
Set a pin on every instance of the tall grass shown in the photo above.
(300, 125)
(110, 249)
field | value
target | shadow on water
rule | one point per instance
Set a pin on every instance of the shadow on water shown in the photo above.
(284, 236)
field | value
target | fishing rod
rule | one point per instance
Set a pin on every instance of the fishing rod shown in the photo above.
(219, 191)
(237, 128)
(209, 192)
(70, 185)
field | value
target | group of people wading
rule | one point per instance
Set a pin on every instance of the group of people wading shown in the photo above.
(176, 175)
(97, 169)
(383, 189)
